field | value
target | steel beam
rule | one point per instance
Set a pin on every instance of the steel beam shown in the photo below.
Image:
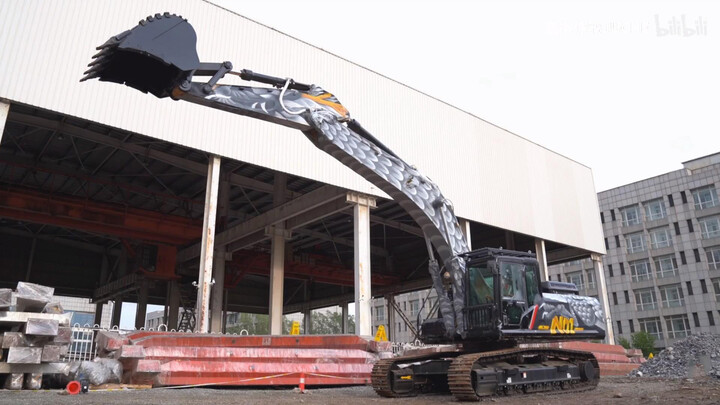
(284, 212)
(376, 250)
(96, 217)
(207, 245)
(173, 160)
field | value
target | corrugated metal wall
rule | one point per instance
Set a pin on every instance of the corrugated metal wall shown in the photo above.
(491, 175)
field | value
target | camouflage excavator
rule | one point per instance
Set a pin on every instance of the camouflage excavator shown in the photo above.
(490, 300)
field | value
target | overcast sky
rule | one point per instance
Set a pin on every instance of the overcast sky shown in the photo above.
(609, 84)
(629, 89)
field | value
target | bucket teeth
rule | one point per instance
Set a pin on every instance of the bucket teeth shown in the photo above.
(154, 56)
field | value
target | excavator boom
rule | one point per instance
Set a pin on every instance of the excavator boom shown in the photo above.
(158, 56)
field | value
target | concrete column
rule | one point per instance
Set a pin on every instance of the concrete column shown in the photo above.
(541, 255)
(218, 289)
(602, 296)
(345, 318)
(30, 259)
(4, 110)
(277, 278)
(391, 332)
(207, 247)
(465, 227)
(307, 321)
(509, 240)
(277, 258)
(117, 311)
(363, 293)
(173, 304)
(141, 305)
(98, 313)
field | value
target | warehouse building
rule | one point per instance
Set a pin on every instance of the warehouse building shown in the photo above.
(662, 268)
(104, 190)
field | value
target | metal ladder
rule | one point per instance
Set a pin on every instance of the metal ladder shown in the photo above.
(188, 299)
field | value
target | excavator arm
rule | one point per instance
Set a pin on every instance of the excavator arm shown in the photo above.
(158, 56)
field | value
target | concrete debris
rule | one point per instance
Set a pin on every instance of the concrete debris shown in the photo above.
(695, 356)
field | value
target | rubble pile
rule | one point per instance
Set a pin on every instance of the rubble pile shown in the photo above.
(34, 335)
(694, 356)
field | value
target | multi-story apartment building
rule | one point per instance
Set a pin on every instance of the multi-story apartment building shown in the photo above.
(662, 266)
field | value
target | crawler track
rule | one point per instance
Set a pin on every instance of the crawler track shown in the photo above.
(460, 373)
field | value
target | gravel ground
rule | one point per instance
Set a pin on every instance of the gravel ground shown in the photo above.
(612, 390)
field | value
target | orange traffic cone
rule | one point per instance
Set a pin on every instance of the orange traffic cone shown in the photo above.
(302, 383)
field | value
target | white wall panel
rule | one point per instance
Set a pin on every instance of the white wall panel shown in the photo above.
(491, 175)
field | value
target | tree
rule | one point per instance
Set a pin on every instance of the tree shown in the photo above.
(624, 342)
(254, 324)
(330, 323)
(644, 341)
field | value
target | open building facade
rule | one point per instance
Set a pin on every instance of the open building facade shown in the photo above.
(103, 189)
(662, 266)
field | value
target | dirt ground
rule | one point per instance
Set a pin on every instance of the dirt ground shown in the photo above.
(612, 390)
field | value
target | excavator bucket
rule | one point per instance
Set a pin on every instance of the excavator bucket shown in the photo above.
(155, 56)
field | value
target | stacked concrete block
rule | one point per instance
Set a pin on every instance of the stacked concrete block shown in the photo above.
(34, 334)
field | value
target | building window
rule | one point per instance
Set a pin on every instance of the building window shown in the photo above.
(645, 299)
(691, 228)
(615, 297)
(678, 326)
(380, 313)
(654, 209)
(677, 228)
(591, 279)
(713, 257)
(617, 241)
(688, 284)
(632, 325)
(602, 218)
(660, 237)
(705, 197)
(640, 270)
(703, 286)
(577, 279)
(711, 318)
(696, 319)
(612, 216)
(414, 307)
(716, 287)
(622, 268)
(635, 242)
(697, 255)
(630, 215)
(671, 202)
(666, 266)
(627, 297)
(607, 245)
(610, 270)
(710, 227)
(672, 296)
(652, 326)
(683, 196)
(682, 258)
(619, 325)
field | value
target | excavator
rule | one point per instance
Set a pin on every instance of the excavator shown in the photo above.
(490, 300)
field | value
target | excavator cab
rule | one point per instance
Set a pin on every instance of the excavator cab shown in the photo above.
(506, 300)
(502, 285)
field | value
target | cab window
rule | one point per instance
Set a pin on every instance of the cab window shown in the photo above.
(481, 282)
